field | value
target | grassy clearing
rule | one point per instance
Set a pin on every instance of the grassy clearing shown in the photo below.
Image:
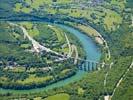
(62, 96)
(66, 49)
(112, 20)
(37, 98)
(34, 79)
(80, 91)
(32, 30)
(32, 70)
(59, 33)
(109, 18)
(65, 71)
(36, 3)
(18, 7)
(64, 1)
(25, 46)
(76, 12)
(120, 3)
(26, 10)
(28, 25)
(17, 69)
(90, 31)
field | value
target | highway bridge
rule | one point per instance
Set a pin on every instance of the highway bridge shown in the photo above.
(82, 64)
(89, 65)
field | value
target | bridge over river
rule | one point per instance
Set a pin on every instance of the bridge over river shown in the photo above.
(91, 62)
(88, 65)
(82, 64)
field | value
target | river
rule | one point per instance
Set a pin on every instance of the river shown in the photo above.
(92, 53)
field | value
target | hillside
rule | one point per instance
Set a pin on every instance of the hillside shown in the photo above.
(108, 22)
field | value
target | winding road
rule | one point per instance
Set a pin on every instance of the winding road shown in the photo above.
(109, 97)
(121, 79)
(36, 45)
(72, 48)
(92, 53)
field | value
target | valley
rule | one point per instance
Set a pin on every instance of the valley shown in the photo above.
(66, 50)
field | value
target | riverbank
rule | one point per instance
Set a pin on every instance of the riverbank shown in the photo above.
(96, 37)
(92, 52)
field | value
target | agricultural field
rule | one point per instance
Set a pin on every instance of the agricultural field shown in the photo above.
(59, 97)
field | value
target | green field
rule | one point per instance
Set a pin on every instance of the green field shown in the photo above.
(62, 96)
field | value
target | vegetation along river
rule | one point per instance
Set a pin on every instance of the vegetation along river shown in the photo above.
(92, 53)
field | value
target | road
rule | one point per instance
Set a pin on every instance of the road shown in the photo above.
(106, 75)
(121, 79)
(74, 49)
(67, 40)
(37, 47)
(109, 97)
(69, 45)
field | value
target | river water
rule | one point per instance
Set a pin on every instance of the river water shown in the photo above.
(92, 53)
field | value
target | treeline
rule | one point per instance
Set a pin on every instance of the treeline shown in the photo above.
(18, 86)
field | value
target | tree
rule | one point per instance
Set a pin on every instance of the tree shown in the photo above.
(54, 0)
